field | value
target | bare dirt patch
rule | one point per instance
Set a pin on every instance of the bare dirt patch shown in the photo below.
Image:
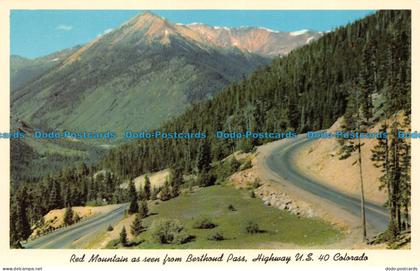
(55, 218)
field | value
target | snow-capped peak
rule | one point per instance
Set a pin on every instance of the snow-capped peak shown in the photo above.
(222, 27)
(298, 32)
(268, 29)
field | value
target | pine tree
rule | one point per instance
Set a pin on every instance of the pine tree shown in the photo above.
(134, 206)
(144, 209)
(55, 199)
(405, 198)
(147, 187)
(204, 156)
(176, 180)
(352, 122)
(395, 176)
(14, 235)
(68, 216)
(165, 192)
(22, 225)
(367, 82)
(137, 225)
(123, 237)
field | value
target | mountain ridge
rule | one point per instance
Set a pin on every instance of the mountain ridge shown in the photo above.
(142, 73)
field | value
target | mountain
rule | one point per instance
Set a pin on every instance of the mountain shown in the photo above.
(308, 90)
(262, 41)
(134, 77)
(24, 70)
(141, 74)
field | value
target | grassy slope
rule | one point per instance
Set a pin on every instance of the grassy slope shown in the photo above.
(213, 202)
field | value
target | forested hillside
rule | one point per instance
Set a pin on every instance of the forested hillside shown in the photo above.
(307, 90)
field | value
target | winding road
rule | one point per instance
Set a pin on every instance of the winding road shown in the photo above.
(281, 163)
(88, 228)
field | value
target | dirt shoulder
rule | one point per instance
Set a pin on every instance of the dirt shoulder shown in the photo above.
(320, 160)
(54, 219)
(275, 191)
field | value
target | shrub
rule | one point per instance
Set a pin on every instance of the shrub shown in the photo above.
(76, 218)
(110, 228)
(217, 236)
(137, 225)
(204, 223)
(245, 146)
(256, 183)
(155, 192)
(225, 169)
(233, 165)
(247, 164)
(206, 179)
(252, 228)
(231, 208)
(68, 216)
(168, 231)
(391, 232)
(252, 194)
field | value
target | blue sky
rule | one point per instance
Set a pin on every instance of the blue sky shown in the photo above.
(36, 33)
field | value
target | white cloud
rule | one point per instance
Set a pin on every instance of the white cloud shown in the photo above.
(64, 27)
(106, 31)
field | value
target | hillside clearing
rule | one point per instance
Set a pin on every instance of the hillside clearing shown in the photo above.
(213, 202)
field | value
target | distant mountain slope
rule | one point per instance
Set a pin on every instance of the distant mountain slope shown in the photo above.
(140, 74)
(32, 159)
(262, 41)
(24, 70)
(132, 78)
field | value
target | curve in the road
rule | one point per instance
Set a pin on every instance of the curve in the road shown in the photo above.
(281, 162)
(64, 237)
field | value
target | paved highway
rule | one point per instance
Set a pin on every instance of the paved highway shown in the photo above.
(280, 162)
(64, 237)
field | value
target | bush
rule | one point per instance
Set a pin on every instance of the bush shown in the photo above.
(68, 216)
(233, 165)
(76, 218)
(231, 208)
(206, 179)
(155, 192)
(110, 228)
(218, 236)
(252, 228)
(252, 194)
(256, 183)
(224, 169)
(168, 231)
(204, 223)
(247, 164)
(245, 145)
(391, 232)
